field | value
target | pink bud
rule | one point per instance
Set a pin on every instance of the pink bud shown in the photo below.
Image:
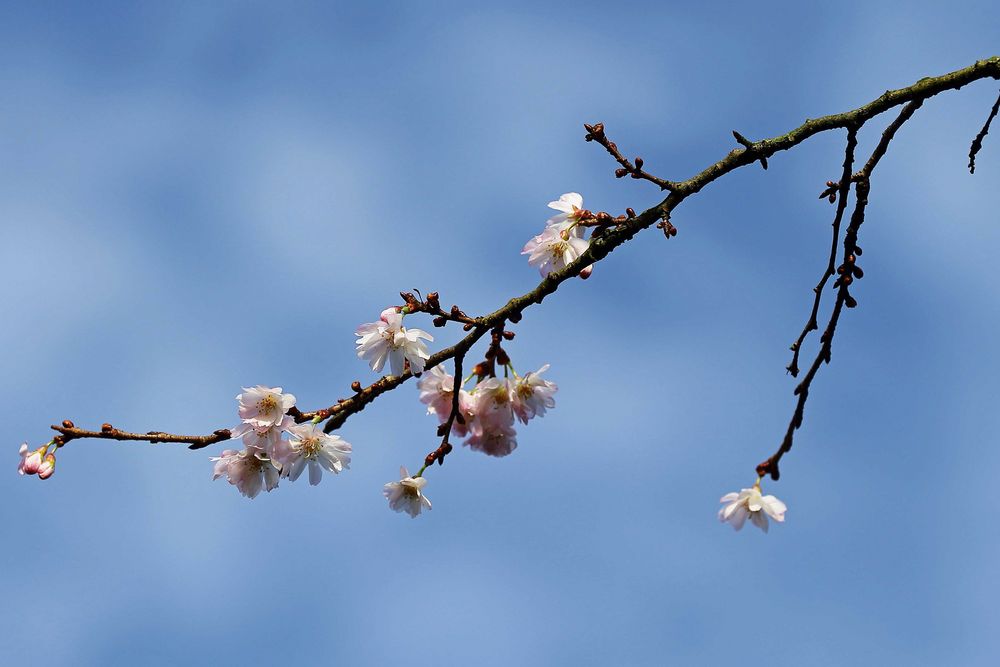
(388, 311)
(31, 462)
(48, 467)
(586, 271)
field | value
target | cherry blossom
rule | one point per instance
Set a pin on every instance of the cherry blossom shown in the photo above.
(264, 407)
(309, 445)
(570, 207)
(553, 249)
(436, 388)
(388, 340)
(492, 437)
(436, 391)
(405, 495)
(31, 460)
(531, 395)
(249, 470)
(492, 431)
(493, 401)
(264, 439)
(749, 503)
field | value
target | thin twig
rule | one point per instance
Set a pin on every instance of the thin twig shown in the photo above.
(595, 132)
(977, 143)
(843, 189)
(848, 272)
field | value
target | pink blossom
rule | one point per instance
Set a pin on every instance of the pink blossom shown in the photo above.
(436, 392)
(493, 401)
(492, 438)
(436, 388)
(31, 460)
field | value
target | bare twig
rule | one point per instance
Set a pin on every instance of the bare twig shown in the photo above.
(848, 272)
(977, 143)
(841, 193)
(595, 132)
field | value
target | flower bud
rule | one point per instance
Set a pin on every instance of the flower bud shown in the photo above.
(48, 466)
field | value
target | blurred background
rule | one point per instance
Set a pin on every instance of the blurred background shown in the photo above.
(196, 197)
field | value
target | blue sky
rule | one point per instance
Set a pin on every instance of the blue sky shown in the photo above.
(196, 197)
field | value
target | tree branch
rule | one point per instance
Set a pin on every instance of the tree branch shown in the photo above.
(848, 272)
(617, 232)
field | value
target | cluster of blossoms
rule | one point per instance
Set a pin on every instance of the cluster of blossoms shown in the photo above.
(267, 454)
(39, 461)
(561, 242)
(488, 411)
(276, 447)
(749, 503)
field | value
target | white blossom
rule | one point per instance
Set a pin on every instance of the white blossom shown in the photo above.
(388, 340)
(549, 251)
(749, 503)
(531, 395)
(405, 495)
(309, 446)
(249, 470)
(263, 407)
(570, 207)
